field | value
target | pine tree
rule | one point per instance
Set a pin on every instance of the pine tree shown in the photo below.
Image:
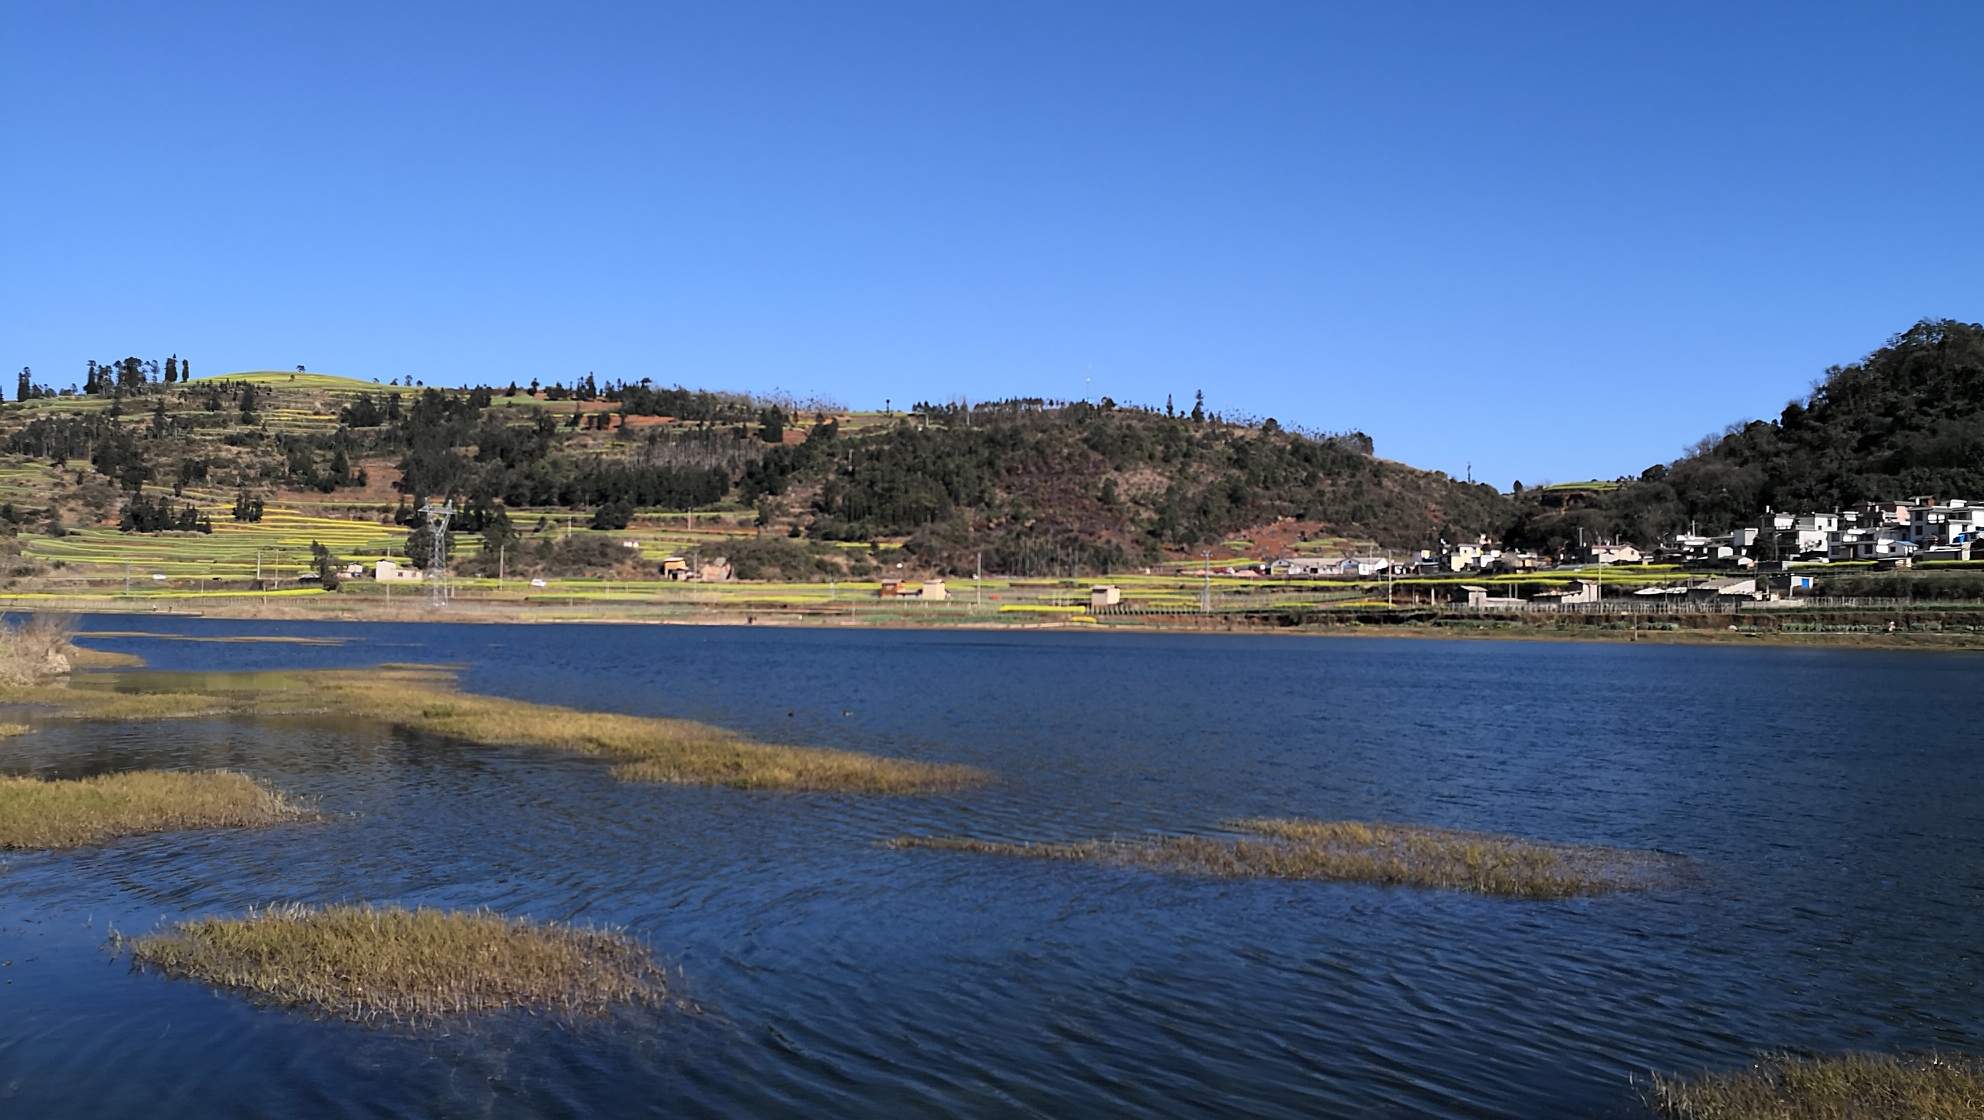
(172, 369)
(185, 370)
(1199, 407)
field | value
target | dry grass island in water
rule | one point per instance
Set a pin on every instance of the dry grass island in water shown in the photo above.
(1354, 852)
(35, 659)
(71, 812)
(641, 749)
(372, 964)
(1843, 1087)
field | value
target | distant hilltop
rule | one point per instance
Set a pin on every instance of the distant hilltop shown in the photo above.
(1022, 487)
(1018, 487)
(1905, 423)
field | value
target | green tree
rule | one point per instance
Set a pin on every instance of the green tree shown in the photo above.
(327, 566)
(498, 534)
(247, 507)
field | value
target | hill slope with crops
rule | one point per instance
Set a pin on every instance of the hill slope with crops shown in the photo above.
(1024, 487)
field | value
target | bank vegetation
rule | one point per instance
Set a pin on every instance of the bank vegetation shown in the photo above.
(371, 964)
(37, 813)
(1357, 852)
(428, 701)
(1840, 1087)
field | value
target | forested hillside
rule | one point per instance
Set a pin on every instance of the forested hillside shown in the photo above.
(1031, 487)
(1091, 487)
(1906, 420)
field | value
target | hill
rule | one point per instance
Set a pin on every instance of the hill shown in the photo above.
(1906, 420)
(1026, 487)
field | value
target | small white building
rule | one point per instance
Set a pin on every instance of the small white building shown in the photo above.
(1474, 595)
(1612, 554)
(389, 571)
(1104, 595)
(1579, 591)
(1724, 590)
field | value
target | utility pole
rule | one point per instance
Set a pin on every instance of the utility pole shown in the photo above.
(127, 577)
(978, 583)
(1205, 594)
(501, 549)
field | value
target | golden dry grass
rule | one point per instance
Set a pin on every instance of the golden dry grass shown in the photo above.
(103, 659)
(1350, 851)
(35, 649)
(642, 749)
(366, 963)
(69, 812)
(104, 704)
(9, 730)
(1842, 1087)
(426, 699)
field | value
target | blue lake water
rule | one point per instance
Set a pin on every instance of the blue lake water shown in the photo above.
(1832, 801)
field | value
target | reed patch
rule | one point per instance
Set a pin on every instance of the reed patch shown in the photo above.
(38, 813)
(371, 964)
(1358, 852)
(35, 649)
(426, 700)
(1839, 1087)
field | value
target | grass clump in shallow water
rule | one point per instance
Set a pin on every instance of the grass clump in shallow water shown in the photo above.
(366, 963)
(642, 749)
(1356, 852)
(425, 699)
(70, 812)
(1842, 1087)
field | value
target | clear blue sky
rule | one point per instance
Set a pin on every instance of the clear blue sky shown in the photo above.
(1550, 240)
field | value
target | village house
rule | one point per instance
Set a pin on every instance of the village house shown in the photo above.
(1723, 590)
(1579, 591)
(1612, 554)
(1474, 595)
(1301, 566)
(389, 571)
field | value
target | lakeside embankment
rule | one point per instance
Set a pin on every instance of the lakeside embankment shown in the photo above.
(1952, 626)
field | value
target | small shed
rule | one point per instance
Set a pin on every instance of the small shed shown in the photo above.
(934, 589)
(389, 571)
(1104, 595)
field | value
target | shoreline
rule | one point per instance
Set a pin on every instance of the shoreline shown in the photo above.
(1456, 628)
